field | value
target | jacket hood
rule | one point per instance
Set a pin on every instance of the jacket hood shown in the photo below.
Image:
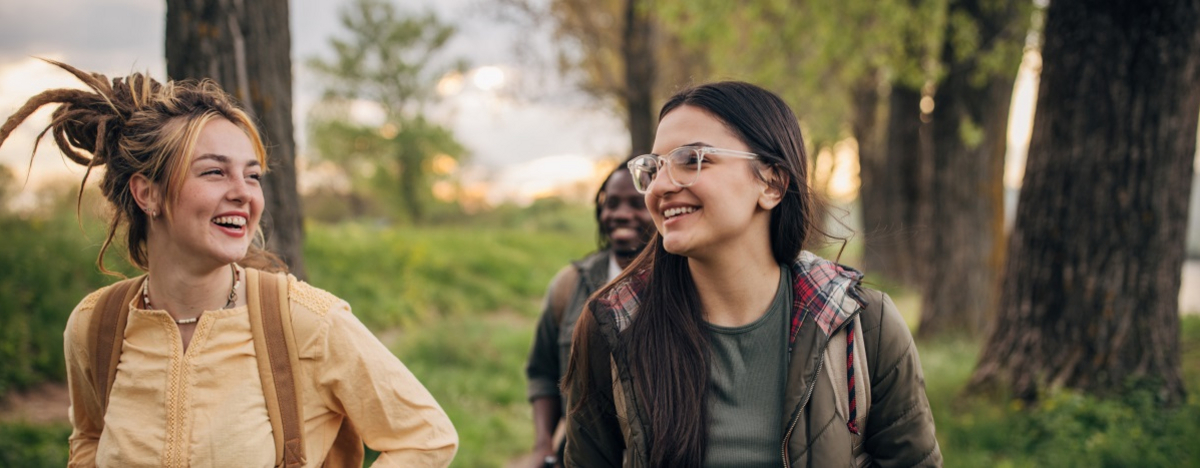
(826, 290)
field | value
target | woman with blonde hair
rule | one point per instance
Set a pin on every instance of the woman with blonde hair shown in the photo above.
(725, 343)
(183, 374)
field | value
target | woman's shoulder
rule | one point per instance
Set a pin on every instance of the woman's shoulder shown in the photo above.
(616, 305)
(308, 299)
(80, 319)
(883, 325)
(314, 312)
(878, 308)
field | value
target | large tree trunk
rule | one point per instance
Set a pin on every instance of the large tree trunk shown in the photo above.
(969, 126)
(637, 48)
(868, 131)
(892, 186)
(245, 46)
(1090, 291)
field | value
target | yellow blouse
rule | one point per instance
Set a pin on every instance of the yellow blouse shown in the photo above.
(205, 407)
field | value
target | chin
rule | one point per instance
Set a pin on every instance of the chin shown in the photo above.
(676, 247)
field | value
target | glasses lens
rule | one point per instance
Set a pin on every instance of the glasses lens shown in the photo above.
(643, 169)
(684, 164)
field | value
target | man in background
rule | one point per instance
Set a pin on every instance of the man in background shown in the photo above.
(625, 228)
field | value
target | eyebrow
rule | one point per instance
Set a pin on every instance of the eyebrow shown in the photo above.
(221, 159)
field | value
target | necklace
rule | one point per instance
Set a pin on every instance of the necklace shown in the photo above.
(237, 280)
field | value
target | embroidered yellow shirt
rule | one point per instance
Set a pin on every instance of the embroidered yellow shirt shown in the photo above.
(205, 407)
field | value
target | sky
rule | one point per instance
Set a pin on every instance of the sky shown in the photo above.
(517, 139)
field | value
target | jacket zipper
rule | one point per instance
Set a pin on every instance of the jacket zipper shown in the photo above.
(807, 394)
(811, 386)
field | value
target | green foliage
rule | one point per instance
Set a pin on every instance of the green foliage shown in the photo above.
(33, 446)
(387, 60)
(1066, 429)
(49, 266)
(814, 54)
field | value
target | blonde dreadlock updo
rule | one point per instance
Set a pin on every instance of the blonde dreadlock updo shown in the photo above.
(135, 125)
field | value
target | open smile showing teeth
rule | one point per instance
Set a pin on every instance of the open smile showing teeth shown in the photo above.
(230, 221)
(673, 212)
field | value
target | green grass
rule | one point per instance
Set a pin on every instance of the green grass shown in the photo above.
(1066, 429)
(399, 277)
(475, 368)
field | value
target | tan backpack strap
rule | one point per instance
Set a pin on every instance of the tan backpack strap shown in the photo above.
(106, 334)
(278, 362)
(561, 290)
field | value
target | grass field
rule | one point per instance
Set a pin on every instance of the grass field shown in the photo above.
(458, 304)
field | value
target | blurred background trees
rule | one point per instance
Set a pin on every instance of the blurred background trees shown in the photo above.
(388, 61)
(618, 51)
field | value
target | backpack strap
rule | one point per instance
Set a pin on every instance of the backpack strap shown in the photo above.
(106, 334)
(278, 362)
(855, 378)
(560, 292)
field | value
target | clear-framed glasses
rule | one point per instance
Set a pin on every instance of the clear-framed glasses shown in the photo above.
(682, 164)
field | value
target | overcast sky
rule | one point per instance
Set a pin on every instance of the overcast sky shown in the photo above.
(115, 37)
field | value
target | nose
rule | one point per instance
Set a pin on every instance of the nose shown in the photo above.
(624, 211)
(239, 190)
(661, 184)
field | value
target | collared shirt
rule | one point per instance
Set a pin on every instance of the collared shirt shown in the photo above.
(205, 406)
(614, 269)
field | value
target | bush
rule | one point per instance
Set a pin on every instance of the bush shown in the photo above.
(49, 266)
(32, 446)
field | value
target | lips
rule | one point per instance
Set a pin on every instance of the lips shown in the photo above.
(623, 234)
(231, 225)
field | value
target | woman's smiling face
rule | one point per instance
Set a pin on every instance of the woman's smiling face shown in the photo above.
(723, 208)
(220, 203)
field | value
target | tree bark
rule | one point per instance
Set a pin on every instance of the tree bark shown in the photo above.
(245, 46)
(638, 51)
(892, 186)
(969, 126)
(1090, 293)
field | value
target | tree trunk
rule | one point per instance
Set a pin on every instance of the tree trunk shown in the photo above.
(1090, 293)
(891, 192)
(245, 46)
(867, 128)
(969, 126)
(637, 48)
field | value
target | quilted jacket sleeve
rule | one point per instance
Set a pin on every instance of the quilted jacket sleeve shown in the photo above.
(901, 429)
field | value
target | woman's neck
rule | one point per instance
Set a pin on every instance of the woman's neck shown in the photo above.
(186, 291)
(737, 288)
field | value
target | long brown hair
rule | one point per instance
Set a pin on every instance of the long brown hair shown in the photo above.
(136, 125)
(665, 346)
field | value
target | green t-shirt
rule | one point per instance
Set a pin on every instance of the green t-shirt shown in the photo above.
(746, 386)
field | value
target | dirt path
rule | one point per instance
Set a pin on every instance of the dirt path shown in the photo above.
(45, 404)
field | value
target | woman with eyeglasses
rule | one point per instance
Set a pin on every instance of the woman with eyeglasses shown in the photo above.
(726, 343)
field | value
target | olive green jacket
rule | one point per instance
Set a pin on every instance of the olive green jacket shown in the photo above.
(894, 420)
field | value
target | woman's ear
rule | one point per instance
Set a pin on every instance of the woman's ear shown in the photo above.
(146, 194)
(776, 182)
